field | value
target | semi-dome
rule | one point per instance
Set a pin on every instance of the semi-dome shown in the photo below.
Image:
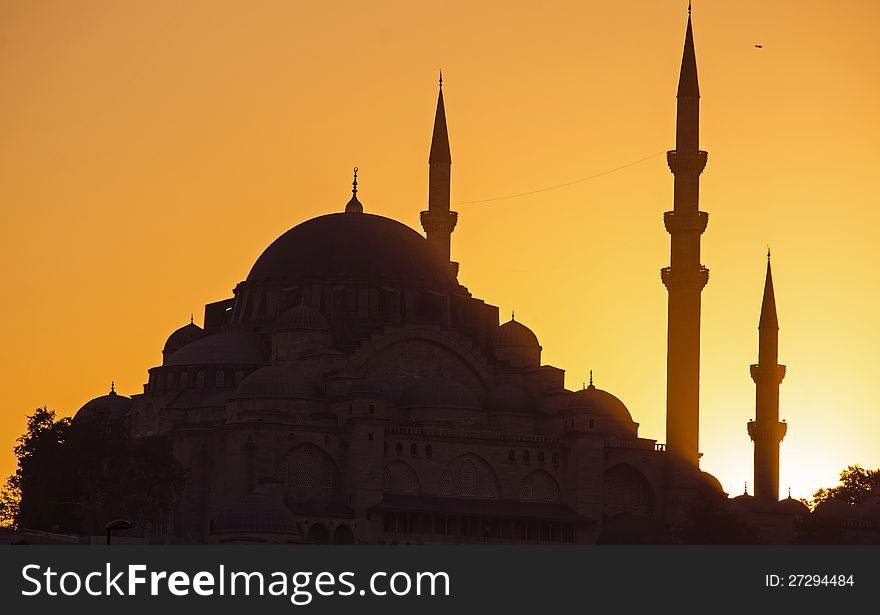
(226, 348)
(439, 393)
(597, 401)
(514, 333)
(277, 381)
(255, 513)
(186, 334)
(302, 318)
(509, 399)
(345, 245)
(107, 407)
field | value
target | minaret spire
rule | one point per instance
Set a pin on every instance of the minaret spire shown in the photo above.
(685, 277)
(438, 221)
(766, 431)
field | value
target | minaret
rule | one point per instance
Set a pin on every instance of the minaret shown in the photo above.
(686, 276)
(766, 431)
(438, 221)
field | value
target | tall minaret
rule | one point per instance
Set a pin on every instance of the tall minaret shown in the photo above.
(766, 431)
(438, 221)
(686, 276)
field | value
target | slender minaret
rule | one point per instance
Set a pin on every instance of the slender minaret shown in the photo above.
(438, 221)
(686, 276)
(766, 431)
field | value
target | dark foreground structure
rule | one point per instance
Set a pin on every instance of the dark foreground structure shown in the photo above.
(352, 391)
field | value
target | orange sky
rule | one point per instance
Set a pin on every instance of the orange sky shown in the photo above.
(149, 151)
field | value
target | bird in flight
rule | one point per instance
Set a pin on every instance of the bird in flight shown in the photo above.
(759, 46)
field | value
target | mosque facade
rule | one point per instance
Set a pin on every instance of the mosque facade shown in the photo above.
(352, 390)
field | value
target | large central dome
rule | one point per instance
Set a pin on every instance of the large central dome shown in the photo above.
(344, 245)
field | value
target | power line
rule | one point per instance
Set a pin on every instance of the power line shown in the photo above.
(571, 183)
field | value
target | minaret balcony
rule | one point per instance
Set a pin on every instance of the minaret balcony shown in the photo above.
(438, 222)
(767, 432)
(674, 279)
(687, 162)
(767, 373)
(690, 222)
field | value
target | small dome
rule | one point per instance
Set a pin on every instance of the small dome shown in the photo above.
(834, 509)
(791, 506)
(712, 484)
(186, 334)
(744, 502)
(509, 399)
(302, 317)
(107, 407)
(255, 513)
(229, 348)
(597, 401)
(513, 333)
(276, 381)
(439, 393)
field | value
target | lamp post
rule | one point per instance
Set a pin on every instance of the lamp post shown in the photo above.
(117, 524)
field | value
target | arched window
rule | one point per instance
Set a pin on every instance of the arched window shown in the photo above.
(447, 483)
(184, 376)
(239, 376)
(556, 459)
(627, 490)
(413, 450)
(511, 456)
(468, 479)
(398, 448)
(429, 451)
(220, 379)
(200, 379)
(309, 467)
(469, 476)
(526, 457)
(541, 457)
(169, 380)
(385, 448)
(539, 486)
(400, 478)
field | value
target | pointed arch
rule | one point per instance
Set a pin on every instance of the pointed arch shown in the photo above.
(400, 478)
(627, 490)
(539, 486)
(469, 476)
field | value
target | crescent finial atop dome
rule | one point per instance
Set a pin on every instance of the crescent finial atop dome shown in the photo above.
(354, 206)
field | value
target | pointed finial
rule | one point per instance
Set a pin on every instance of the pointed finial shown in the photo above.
(512, 315)
(789, 493)
(353, 205)
(441, 78)
(768, 254)
(191, 318)
(112, 388)
(591, 377)
(746, 488)
(583, 386)
(689, 7)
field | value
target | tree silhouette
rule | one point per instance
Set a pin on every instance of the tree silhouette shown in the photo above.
(75, 476)
(855, 484)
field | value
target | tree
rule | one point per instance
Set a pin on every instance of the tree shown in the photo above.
(855, 484)
(76, 476)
